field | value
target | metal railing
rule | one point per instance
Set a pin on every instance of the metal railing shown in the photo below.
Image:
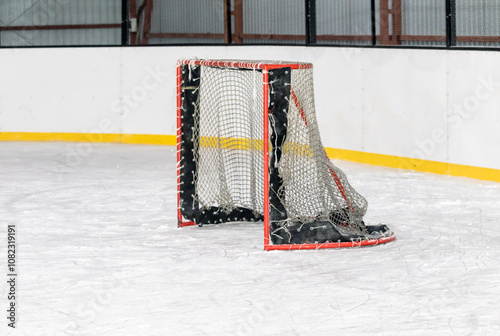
(426, 23)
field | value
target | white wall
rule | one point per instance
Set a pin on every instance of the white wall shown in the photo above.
(429, 104)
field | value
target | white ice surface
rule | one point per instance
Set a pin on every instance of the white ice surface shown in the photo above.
(99, 253)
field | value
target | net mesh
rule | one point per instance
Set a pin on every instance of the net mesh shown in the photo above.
(229, 153)
(230, 135)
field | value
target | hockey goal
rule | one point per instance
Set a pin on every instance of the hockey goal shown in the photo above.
(249, 149)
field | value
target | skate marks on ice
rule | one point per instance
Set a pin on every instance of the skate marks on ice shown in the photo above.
(100, 254)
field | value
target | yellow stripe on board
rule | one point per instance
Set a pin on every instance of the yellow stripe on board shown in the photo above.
(231, 143)
(427, 166)
(146, 139)
(255, 144)
(486, 174)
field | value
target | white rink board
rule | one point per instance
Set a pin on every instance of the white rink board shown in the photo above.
(397, 102)
(58, 90)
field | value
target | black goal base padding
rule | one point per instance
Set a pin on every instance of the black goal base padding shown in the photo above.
(216, 215)
(317, 232)
(323, 232)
